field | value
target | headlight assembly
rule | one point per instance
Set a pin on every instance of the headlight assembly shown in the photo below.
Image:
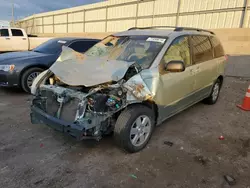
(7, 68)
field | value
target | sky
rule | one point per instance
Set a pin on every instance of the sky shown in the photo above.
(24, 8)
(4, 23)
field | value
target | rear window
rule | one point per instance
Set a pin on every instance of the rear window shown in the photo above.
(201, 49)
(4, 33)
(218, 49)
(17, 32)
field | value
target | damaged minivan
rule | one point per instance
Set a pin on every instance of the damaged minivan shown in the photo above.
(128, 83)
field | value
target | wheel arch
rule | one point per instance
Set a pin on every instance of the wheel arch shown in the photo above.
(29, 67)
(221, 78)
(150, 104)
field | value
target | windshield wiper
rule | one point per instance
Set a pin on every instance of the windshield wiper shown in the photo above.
(137, 66)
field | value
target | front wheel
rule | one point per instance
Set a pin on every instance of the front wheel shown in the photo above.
(28, 78)
(213, 97)
(134, 128)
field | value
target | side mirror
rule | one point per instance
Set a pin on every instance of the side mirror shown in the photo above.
(175, 66)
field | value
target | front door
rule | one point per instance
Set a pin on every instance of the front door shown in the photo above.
(175, 89)
(5, 41)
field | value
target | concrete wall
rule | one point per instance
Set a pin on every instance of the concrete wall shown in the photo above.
(236, 41)
(118, 15)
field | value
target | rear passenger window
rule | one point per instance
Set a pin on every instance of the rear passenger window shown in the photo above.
(178, 50)
(4, 33)
(201, 49)
(17, 33)
(218, 49)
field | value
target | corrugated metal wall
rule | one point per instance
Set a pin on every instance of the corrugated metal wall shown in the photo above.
(118, 15)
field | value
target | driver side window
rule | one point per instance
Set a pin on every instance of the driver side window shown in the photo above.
(178, 50)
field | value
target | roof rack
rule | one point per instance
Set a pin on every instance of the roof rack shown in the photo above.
(153, 27)
(192, 29)
(175, 28)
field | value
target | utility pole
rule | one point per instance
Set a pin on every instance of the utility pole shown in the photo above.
(13, 19)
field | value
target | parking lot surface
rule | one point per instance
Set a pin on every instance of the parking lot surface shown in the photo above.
(37, 156)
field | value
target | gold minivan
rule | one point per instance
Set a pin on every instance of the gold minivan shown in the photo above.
(128, 83)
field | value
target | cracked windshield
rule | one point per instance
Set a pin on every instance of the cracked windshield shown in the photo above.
(139, 49)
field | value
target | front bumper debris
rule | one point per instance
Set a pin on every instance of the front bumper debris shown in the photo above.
(75, 130)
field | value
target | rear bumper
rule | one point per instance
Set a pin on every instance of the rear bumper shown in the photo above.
(8, 79)
(72, 129)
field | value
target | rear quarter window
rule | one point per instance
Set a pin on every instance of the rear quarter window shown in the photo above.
(218, 48)
(201, 49)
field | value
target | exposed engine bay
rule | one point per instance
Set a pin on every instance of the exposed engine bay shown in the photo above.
(94, 109)
(84, 95)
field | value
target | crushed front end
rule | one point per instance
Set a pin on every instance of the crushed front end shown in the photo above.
(80, 112)
(83, 98)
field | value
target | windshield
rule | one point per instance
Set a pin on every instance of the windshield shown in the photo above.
(50, 47)
(139, 49)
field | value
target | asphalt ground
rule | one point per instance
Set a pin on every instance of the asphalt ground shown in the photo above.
(37, 156)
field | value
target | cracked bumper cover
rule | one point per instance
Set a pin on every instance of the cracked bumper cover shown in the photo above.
(72, 129)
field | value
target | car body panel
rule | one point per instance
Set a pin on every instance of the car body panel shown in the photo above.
(19, 43)
(6, 42)
(77, 69)
(170, 110)
(22, 61)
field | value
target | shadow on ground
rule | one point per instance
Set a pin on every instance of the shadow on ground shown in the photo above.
(14, 90)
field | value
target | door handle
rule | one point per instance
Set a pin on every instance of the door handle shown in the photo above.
(24, 38)
(7, 38)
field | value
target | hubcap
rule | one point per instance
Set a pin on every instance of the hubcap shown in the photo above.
(216, 91)
(140, 130)
(31, 78)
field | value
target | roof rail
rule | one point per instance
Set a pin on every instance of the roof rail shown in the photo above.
(175, 28)
(192, 29)
(153, 27)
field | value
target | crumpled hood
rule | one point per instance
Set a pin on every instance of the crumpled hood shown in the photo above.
(13, 56)
(77, 69)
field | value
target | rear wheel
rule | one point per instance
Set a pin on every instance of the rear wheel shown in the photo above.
(134, 128)
(213, 97)
(28, 78)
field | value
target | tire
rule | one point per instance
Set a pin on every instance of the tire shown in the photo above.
(28, 75)
(123, 133)
(213, 97)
